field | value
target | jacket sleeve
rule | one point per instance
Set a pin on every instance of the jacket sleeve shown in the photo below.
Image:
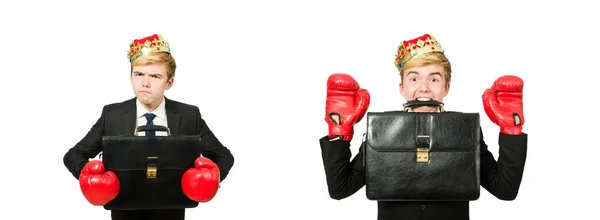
(213, 149)
(89, 147)
(502, 178)
(344, 176)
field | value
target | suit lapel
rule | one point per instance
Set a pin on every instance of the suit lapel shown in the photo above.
(128, 117)
(173, 117)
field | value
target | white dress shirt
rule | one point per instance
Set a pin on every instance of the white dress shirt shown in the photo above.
(160, 119)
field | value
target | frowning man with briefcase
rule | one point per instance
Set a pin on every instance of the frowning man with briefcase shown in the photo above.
(423, 162)
(159, 156)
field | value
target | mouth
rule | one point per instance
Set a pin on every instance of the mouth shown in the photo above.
(423, 99)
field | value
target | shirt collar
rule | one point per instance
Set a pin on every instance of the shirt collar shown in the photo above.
(160, 111)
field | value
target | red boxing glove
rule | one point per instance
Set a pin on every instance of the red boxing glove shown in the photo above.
(346, 105)
(503, 103)
(201, 182)
(97, 185)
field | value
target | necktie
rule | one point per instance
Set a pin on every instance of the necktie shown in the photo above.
(149, 118)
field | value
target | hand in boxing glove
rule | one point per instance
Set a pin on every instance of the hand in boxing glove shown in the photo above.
(503, 103)
(98, 186)
(345, 106)
(201, 182)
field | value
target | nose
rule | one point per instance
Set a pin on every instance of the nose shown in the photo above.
(146, 81)
(423, 86)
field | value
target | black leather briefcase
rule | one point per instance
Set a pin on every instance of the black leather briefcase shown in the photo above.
(150, 169)
(414, 156)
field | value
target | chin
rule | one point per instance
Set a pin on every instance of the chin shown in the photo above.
(143, 99)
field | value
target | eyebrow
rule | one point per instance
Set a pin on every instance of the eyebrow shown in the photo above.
(152, 74)
(431, 74)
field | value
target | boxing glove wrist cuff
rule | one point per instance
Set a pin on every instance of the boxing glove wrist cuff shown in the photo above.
(341, 130)
(511, 130)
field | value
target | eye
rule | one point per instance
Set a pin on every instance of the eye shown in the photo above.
(436, 79)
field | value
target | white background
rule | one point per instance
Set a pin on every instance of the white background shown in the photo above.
(258, 70)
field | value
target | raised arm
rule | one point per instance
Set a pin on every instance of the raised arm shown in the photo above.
(346, 105)
(503, 104)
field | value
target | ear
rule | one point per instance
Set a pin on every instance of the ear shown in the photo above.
(170, 82)
(401, 87)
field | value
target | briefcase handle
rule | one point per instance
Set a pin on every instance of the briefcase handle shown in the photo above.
(152, 128)
(417, 103)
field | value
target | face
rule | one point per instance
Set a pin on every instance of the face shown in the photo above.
(424, 83)
(149, 83)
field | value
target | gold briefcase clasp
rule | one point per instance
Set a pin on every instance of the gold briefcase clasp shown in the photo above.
(422, 155)
(151, 171)
(423, 145)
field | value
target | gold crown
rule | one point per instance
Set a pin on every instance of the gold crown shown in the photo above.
(414, 47)
(147, 45)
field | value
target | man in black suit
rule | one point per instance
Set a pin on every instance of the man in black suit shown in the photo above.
(425, 75)
(152, 73)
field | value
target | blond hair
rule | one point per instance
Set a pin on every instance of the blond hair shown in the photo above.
(157, 58)
(430, 58)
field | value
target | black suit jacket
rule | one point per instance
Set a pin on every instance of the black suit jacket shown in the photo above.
(501, 178)
(120, 119)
